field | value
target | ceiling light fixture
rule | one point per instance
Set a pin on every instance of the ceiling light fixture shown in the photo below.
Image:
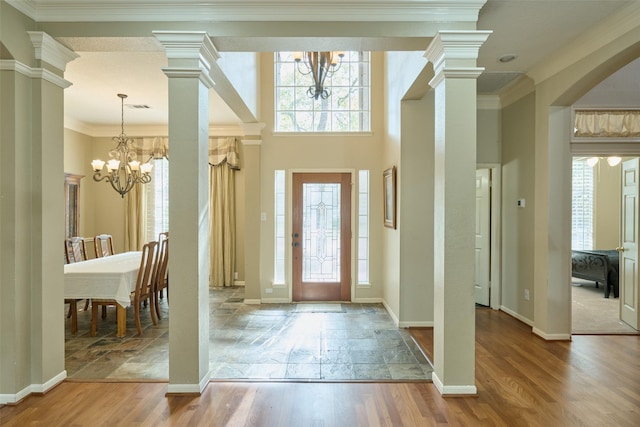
(123, 170)
(612, 161)
(507, 58)
(319, 65)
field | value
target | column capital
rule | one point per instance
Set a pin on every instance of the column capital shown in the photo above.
(188, 45)
(460, 49)
(50, 51)
(186, 48)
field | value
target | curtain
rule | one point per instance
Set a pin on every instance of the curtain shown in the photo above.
(224, 161)
(135, 219)
(607, 123)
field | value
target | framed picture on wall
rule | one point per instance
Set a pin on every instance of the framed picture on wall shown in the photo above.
(389, 187)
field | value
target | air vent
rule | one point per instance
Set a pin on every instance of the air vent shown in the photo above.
(138, 106)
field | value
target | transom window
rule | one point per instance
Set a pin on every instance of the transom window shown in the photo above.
(346, 109)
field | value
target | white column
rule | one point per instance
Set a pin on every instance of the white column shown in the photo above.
(190, 56)
(32, 212)
(454, 57)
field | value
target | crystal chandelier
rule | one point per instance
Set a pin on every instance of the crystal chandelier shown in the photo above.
(123, 171)
(319, 65)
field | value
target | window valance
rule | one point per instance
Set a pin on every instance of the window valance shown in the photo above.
(220, 150)
(607, 123)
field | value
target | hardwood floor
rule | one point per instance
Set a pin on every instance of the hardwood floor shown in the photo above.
(522, 380)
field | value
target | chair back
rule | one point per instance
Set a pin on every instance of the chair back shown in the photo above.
(75, 250)
(103, 244)
(163, 264)
(162, 236)
(147, 273)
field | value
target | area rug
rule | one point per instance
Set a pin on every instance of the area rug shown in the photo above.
(319, 308)
(592, 313)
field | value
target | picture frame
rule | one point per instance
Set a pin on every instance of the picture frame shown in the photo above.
(389, 188)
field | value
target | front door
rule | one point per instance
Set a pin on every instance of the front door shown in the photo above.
(628, 279)
(321, 237)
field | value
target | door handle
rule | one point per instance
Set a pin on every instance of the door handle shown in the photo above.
(295, 244)
(620, 249)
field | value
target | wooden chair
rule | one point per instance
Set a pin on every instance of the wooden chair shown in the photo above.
(162, 276)
(145, 285)
(75, 250)
(103, 245)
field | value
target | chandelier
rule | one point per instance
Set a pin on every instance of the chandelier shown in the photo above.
(319, 65)
(613, 161)
(123, 171)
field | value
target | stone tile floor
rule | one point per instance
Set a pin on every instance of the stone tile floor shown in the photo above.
(299, 342)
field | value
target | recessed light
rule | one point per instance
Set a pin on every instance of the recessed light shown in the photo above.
(507, 58)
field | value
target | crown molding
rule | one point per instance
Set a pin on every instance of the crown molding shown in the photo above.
(488, 102)
(250, 10)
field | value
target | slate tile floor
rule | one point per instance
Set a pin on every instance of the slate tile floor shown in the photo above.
(256, 342)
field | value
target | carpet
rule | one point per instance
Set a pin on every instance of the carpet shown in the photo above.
(319, 308)
(592, 313)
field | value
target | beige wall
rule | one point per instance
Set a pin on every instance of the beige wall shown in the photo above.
(77, 158)
(416, 213)
(517, 223)
(489, 136)
(607, 202)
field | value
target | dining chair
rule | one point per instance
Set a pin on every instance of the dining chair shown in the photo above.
(103, 245)
(162, 276)
(143, 292)
(75, 250)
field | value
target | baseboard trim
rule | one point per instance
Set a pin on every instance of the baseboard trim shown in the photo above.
(238, 283)
(417, 324)
(453, 390)
(517, 315)
(254, 301)
(551, 337)
(395, 319)
(189, 388)
(367, 300)
(33, 388)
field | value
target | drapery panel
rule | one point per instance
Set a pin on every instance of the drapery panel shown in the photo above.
(607, 123)
(135, 219)
(224, 161)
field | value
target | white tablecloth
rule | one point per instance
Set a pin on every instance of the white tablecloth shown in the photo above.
(111, 277)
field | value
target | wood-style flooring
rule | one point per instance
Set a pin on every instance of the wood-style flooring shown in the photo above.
(522, 380)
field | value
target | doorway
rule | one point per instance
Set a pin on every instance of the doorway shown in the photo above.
(596, 226)
(321, 237)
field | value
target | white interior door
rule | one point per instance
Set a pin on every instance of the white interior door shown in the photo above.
(629, 248)
(483, 233)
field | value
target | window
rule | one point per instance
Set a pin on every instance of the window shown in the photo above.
(157, 200)
(345, 110)
(279, 216)
(582, 205)
(363, 227)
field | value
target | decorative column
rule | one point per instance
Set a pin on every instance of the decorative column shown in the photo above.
(454, 57)
(32, 212)
(190, 57)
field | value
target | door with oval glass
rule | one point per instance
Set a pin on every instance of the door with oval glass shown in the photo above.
(321, 237)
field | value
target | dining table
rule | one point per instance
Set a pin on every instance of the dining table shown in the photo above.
(112, 277)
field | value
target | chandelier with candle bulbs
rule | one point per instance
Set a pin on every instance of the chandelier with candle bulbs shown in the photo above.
(320, 65)
(122, 171)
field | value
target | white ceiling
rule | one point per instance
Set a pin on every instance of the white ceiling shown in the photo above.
(529, 29)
